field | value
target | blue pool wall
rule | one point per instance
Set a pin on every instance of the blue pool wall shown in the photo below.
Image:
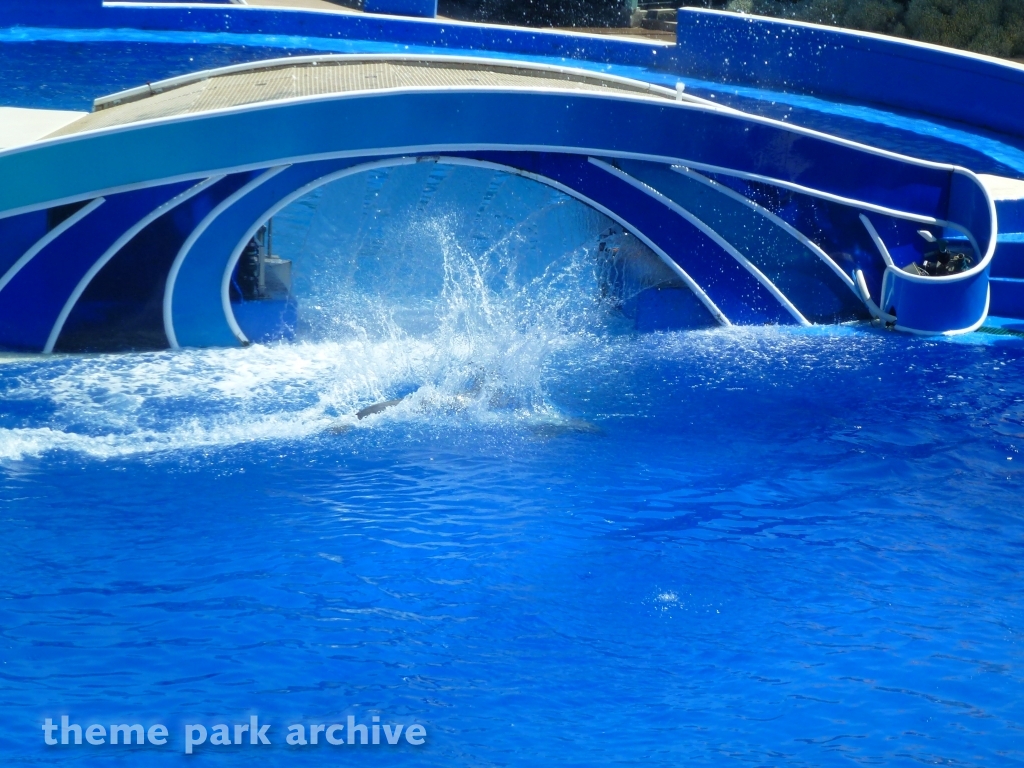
(425, 8)
(844, 65)
(477, 124)
(725, 47)
(53, 13)
(238, 19)
(718, 46)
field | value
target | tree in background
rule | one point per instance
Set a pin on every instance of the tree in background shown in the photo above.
(542, 13)
(995, 27)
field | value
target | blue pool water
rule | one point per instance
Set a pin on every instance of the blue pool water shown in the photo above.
(796, 547)
(570, 544)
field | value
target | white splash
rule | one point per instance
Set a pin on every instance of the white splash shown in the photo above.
(479, 351)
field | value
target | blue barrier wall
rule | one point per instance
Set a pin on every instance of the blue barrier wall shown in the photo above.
(50, 13)
(852, 66)
(456, 120)
(425, 8)
(717, 46)
(725, 47)
(573, 138)
(240, 19)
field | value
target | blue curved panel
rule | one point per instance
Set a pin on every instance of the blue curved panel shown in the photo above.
(937, 306)
(31, 302)
(815, 289)
(805, 58)
(667, 309)
(198, 312)
(123, 306)
(556, 131)
(958, 302)
(773, 52)
(836, 228)
(926, 304)
(970, 207)
(734, 290)
(18, 234)
(424, 122)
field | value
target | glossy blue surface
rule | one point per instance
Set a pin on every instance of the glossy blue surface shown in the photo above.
(38, 292)
(569, 545)
(805, 58)
(107, 60)
(754, 558)
(454, 121)
(559, 129)
(566, 138)
(423, 8)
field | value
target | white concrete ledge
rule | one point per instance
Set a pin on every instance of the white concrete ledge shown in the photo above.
(23, 126)
(1001, 188)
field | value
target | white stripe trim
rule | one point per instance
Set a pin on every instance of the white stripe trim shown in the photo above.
(986, 258)
(225, 284)
(48, 238)
(810, 191)
(186, 247)
(334, 175)
(101, 262)
(720, 241)
(408, 90)
(892, 272)
(425, 150)
(877, 240)
(782, 224)
(662, 103)
(877, 312)
(437, 149)
(712, 308)
(785, 127)
(690, 283)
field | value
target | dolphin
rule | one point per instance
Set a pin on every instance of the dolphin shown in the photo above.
(566, 427)
(377, 408)
(545, 430)
(341, 427)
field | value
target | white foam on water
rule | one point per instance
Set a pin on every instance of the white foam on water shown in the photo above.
(483, 367)
(467, 318)
(119, 405)
(476, 355)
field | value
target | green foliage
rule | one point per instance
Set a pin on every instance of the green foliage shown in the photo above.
(995, 27)
(985, 26)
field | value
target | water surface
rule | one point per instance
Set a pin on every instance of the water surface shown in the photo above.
(569, 544)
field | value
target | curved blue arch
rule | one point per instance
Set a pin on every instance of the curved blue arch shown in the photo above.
(612, 149)
(33, 302)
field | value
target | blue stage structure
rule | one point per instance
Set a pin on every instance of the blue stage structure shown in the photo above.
(776, 192)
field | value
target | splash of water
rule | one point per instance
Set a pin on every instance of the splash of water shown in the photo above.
(473, 321)
(474, 353)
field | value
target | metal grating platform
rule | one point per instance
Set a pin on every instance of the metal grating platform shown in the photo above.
(322, 77)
